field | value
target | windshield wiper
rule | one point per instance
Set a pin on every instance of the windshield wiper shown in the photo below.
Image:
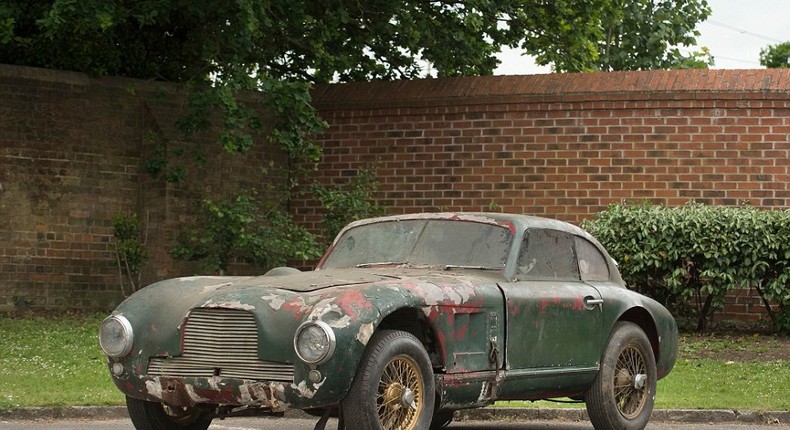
(382, 263)
(458, 266)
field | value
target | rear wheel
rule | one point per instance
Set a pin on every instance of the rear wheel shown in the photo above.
(157, 416)
(623, 394)
(393, 388)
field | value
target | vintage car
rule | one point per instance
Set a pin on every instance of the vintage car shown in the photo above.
(404, 320)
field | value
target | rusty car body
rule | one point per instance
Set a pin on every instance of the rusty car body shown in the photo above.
(404, 320)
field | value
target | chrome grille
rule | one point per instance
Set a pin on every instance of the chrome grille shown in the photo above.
(220, 342)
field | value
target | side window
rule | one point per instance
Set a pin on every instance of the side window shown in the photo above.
(547, 255)
(592, 264)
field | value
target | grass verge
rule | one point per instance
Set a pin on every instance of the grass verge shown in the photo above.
(53, 362)
(57, 362)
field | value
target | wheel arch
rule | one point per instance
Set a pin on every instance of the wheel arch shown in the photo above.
(414, 321)
(641, 317)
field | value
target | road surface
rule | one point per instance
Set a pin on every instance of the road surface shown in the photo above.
(308, 424)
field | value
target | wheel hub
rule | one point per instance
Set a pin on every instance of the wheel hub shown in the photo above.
(639, 381)
(393, 394)
(407, 399)
(623, 378)
(397, 394)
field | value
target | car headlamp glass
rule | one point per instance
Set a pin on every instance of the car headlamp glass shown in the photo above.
(115, 336)
(314, 342)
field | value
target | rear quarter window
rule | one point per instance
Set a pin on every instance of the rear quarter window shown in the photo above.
(592, 263)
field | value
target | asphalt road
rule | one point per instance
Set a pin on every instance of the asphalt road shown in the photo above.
(305, 424)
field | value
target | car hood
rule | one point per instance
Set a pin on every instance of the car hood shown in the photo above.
(302, 292)
(316, 280)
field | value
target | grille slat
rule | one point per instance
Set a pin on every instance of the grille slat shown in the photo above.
(220, 342)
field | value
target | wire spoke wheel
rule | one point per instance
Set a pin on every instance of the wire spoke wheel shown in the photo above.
(623, 393)
(629, 388)
(400, 394)
(393, 388)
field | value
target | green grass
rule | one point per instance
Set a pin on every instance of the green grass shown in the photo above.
(716, 384)
(713, 384)
(53, 362)
(57, 362)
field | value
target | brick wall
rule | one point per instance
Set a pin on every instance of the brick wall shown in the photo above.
(71, 155)
(564, 145)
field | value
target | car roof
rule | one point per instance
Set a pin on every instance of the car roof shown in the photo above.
(519, 221)
(515, 222)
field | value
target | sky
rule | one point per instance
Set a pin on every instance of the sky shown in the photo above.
(735, 32)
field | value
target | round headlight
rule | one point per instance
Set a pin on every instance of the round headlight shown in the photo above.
(314, 342)
(115, 336)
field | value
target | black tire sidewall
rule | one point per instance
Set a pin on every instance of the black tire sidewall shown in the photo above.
(147, 415)
(359, 406)
(601, 404)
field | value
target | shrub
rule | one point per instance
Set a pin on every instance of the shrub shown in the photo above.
(689, 257)
(244, 227)
(130, 251)
(349, 202)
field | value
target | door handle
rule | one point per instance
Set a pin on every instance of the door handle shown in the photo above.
(591, 302)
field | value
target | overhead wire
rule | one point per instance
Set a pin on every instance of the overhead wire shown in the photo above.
(740, 31)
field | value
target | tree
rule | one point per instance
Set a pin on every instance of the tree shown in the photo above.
(776, 56)
(281, 47)
(647, 34)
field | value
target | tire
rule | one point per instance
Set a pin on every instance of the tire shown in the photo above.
(154, 416)
(624, 391)
(393, 388)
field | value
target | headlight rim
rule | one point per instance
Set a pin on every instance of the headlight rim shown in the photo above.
(330, 336)
(128, 335)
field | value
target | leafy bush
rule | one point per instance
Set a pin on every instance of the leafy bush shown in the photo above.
(130, 251)
(689, 257)
(243, 227)
(348, 202)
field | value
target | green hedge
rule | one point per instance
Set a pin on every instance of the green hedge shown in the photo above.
(689, 257)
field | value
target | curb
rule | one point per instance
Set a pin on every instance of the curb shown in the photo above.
(659, 415)
(99, 413)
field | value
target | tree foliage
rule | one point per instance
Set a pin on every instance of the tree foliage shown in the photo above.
(280, 47)
(776, 56)
(648, 34)
(333, 40)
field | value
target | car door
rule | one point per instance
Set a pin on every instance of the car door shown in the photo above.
(553, 316)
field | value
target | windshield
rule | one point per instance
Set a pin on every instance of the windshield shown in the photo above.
(446, 243)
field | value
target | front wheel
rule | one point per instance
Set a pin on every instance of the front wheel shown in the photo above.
(623, 394)
(156, 416)
(393, 388)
